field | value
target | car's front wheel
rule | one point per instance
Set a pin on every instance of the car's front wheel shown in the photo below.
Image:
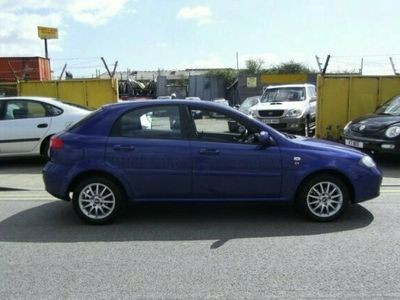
(323, 198)
(97, 200)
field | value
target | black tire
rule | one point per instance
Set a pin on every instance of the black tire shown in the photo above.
(97, 200)
(44, 149)
(323, 198)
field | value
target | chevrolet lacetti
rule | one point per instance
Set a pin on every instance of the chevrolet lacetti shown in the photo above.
(156, 150)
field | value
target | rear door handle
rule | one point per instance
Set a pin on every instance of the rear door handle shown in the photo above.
(209, 151)
(42, 125)
(124, 147)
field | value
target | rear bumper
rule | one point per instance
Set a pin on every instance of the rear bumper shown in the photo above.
(55, 181)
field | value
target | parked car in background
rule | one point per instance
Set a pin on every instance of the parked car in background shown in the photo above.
(164, 97)
(195, 113)
(27, 123)
(248, 103)
(219, 101)
(109, 159)
(244, 108)
(378, 132)
(193, 98)
(288, 108)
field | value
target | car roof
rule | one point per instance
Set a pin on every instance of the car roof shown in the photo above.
(37, 98)
(148, 102)
(49, 100)
(289, 85)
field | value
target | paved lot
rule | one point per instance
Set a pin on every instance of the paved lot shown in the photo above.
(221, 251)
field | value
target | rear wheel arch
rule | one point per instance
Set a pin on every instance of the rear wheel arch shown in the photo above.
(96, 173)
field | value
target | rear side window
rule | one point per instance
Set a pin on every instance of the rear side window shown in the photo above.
(24, 109)
(160, 122)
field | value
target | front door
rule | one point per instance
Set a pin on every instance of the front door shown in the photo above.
(229, 163)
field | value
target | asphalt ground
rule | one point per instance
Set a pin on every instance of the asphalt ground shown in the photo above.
(194, 251)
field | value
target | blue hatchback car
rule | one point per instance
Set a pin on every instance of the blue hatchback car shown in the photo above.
(155, 150)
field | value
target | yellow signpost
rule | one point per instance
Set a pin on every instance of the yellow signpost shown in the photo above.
(46, 33)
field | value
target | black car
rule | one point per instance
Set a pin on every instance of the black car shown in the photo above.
(378, 132)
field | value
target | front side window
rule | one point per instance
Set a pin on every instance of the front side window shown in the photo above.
(151, 122)
(216, 127)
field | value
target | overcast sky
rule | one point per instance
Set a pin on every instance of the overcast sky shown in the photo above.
(178, 34)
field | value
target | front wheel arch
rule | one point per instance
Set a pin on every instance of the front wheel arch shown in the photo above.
(328, 172)
(323, 198)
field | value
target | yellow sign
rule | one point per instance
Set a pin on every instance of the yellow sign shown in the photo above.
(47, 33)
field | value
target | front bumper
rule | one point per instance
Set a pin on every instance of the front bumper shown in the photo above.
(285, 124)
(372, 144)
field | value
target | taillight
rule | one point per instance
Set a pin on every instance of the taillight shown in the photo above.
(56, 142)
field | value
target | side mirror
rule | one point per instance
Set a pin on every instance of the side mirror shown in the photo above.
(264, 138)
(313, 99)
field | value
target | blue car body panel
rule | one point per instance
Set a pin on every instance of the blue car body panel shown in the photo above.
(188, 169)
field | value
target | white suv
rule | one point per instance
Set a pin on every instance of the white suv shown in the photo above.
(290, 108)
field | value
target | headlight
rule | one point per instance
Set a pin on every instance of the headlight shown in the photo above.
(252, 113)
(294, 113)
(392, 131)
(347, 126)
(367, 161)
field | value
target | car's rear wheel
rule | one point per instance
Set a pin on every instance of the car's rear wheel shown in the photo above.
(97, 200)
(323, 198)
(44, 149)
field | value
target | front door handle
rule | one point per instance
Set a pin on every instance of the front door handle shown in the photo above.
(43, 125)
(209, 151)
(124, 147)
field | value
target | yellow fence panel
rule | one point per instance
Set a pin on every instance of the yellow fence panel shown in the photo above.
(38, 88)
(99, 93)
(344, 98)
(283, 78)
(91, 93)
(72, 91)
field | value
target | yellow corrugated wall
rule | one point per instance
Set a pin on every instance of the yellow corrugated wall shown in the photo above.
(344, 98)
(91, 93)
(283, 78)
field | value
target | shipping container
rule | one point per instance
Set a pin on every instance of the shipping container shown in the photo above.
(24, 68)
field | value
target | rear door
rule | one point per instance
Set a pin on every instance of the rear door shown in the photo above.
(149, 146)
(23, 124)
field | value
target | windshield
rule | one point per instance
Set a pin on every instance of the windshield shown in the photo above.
(284, 94)
(392, 107)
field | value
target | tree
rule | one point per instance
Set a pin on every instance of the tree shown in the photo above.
(254, 66)
(229, 75)
(290, 67)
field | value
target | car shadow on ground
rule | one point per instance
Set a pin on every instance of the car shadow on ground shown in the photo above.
(55, 222)
(21, 165)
